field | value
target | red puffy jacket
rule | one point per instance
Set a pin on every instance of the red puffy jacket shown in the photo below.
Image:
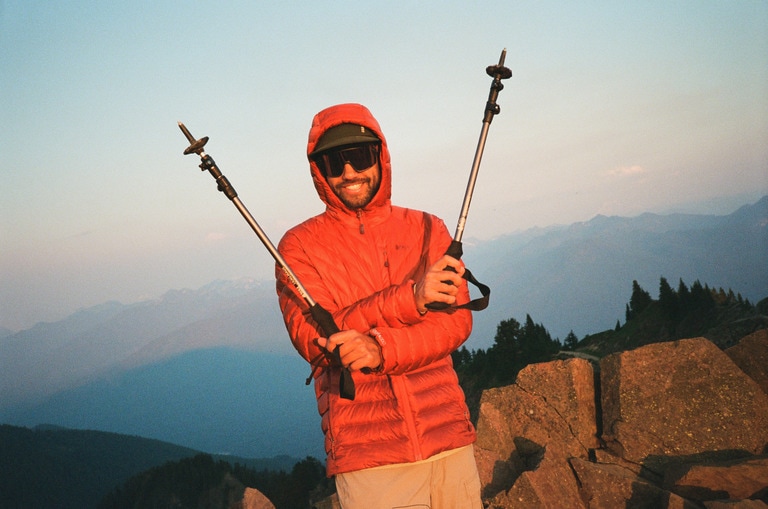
(361, 267)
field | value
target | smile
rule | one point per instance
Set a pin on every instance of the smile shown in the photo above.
(354, 185)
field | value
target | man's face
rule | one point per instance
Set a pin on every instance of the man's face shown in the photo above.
(355, 188)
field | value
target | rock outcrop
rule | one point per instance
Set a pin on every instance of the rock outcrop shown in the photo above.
(751, 355)
(254, 499)
(669, 425)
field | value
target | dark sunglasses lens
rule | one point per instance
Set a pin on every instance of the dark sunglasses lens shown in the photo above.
(360, 157)
(322, 162)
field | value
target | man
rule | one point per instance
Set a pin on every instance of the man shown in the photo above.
(406, 439)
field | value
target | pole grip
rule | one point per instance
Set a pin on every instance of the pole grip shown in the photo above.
(325, 320)
(454, 250)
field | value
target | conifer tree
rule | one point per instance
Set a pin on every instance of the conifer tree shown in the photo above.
(505, 354)
(536, 343)
(571, 341)
(640, 299)
(461, 357)
(668, 300)
(683, 295)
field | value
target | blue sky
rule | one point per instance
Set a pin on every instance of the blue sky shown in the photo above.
(614, 108)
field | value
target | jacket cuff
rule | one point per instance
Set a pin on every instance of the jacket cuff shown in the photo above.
(375, 334)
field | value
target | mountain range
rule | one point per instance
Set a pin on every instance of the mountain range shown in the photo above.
(579, 277)
(212, 369)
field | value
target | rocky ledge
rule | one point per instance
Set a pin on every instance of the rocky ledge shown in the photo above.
(681, 424)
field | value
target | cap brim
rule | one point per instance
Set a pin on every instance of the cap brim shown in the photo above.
(344, 134)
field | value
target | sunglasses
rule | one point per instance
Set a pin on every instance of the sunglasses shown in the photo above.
(360, 157)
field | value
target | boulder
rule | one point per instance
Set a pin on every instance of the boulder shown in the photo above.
(607, 486)
(254, 499)
(527, 432)
(550, 485)
(568, 387)
(733, 480)
(683, 428)
(751, 356)
(669, 401)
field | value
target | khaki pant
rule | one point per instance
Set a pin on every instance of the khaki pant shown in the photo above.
(449, 481)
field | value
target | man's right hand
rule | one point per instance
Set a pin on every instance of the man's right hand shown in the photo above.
(433, 287)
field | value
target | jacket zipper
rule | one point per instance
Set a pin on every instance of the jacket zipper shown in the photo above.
(404, 402)
(360, 219)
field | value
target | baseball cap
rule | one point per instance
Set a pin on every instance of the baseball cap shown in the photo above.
(344, 134)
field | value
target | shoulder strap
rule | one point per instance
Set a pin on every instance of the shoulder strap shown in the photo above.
(421, 266)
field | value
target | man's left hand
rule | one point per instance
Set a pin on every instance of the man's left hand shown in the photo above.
(357, 350)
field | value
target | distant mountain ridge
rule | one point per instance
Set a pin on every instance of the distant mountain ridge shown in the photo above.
(577, 277)
(573, 277)
(113, 336)
(215, 400)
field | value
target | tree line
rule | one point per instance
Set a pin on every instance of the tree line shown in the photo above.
(677, 304)
(204, 483)
(680, 313)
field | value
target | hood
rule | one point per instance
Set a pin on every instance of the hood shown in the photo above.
(348, 114)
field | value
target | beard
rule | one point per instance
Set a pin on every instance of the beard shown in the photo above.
(356, 198)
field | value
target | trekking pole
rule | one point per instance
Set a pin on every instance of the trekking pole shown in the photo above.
(320, 314)
(498, 72)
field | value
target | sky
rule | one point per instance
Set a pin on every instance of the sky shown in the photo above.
(614, 108)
